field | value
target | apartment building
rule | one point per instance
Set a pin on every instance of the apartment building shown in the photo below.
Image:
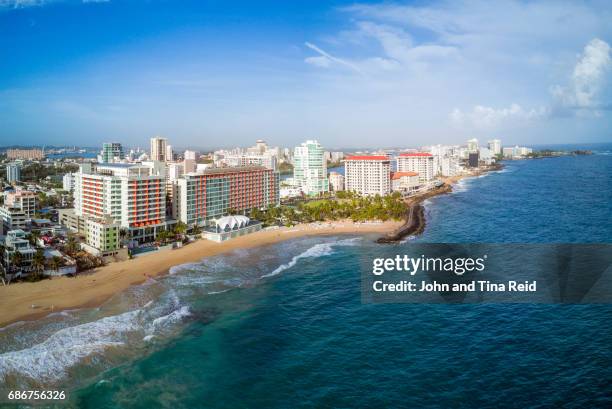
(159, 149)
(22, 199)
(102, 236)
(310, 168)
(419, 162)
(368, 175)
(202, 197)
(336, 181)
(13, 218)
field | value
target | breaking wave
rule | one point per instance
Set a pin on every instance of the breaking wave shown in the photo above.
(316, 251)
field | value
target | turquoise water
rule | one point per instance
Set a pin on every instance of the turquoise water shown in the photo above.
(283, 327)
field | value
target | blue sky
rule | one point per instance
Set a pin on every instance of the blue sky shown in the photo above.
(218, 73)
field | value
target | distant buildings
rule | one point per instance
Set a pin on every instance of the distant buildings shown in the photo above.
(368, 174)
(419, 162)
(336, 181)
(13, 172)
(25, 154)
(516, 152)
(202, 197)
(112, 152)
(495, 146)
(472, 145)
(158, 149)
(310, 168)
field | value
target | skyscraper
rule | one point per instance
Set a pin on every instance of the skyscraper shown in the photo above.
(310, 168)
(13, 172)
(110, 151)
(158, 149)
(495, 146)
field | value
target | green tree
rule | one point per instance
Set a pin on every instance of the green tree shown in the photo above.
(38, 262)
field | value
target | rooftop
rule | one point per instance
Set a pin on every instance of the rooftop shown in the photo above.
(397, 175)
(221, 171)
(416, 154)
(368, 157)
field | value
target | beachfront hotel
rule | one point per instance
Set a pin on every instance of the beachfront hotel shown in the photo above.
(310, 168)
(368, 175)
(132, 195)
(200, 198)
(419, 162)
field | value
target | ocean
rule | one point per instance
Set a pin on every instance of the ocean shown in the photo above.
(283, 326)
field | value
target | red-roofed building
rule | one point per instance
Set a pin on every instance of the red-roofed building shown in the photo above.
(368, 174)
(405, 182)
(419, 162)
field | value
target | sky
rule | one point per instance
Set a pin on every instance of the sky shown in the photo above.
(371, 74)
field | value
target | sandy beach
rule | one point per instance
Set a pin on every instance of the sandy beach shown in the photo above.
(27, 301)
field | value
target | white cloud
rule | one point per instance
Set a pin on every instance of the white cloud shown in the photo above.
(326, 59)
(587, 80)
(484, 117)
(20, 4)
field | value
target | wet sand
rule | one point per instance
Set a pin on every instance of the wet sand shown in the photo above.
(28, 301)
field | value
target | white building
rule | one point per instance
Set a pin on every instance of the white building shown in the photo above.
(68, 182)
(472, 145)
(310, 168)
(368, 174)
(336, 181)
(13, 172)
(495, 146)
(419, 162)
(12, 218)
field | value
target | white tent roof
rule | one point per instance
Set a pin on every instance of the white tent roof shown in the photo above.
(232, 221)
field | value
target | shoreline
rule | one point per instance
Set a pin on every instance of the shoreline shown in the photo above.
(415, 221)
(91, 289)
(32, 301)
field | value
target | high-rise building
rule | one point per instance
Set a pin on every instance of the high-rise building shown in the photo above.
(202, 197)
(158, 149)
(130, 194)
(68, 182)
(419, 162)
(310, 168)
(111, 152)
(169, 153)
(13, 172)
(368, 175)
(473, 160)
(495, 146)
(472, 145)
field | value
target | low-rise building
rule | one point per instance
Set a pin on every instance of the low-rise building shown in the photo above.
(22, 199)
(336, 181)
(102, 237)
(16, 241)
(405, 182)
(71, 220)
(13, 218)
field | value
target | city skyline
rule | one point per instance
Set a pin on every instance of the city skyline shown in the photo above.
(344, 73)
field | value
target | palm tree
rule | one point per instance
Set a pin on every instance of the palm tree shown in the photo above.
(180, 228)
(71, 245)
(38, 262)
(56, 262)
(16, 260)
(34, 235)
